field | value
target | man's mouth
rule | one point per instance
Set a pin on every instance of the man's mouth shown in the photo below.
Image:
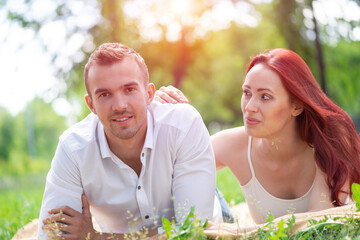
(121, 119)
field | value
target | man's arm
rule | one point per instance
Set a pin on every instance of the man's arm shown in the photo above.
(194, 170)
(66, 223)
(63, 186)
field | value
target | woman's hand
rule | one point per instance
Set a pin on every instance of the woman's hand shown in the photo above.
(170, 94)
(229, 230)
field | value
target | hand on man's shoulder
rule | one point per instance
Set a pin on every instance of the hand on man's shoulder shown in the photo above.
(175, 114)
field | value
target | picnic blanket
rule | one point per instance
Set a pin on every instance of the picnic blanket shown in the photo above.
(236, 230)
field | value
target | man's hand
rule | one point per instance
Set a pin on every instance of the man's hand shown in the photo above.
(66, 223)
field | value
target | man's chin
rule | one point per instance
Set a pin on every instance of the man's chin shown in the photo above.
(125, 134)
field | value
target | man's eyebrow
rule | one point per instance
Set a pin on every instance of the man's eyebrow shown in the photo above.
(99, 90)
(131, 84)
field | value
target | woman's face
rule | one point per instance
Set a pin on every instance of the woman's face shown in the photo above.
(266, 105)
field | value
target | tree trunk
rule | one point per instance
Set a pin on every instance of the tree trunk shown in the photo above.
(319, 54)
(182, 62)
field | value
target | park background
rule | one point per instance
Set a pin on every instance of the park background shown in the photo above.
(199, 46)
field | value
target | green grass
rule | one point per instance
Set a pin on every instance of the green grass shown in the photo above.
(20, 202)
(20, 198)
(229, 186)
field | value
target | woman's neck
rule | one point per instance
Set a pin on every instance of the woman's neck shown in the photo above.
(282, 147)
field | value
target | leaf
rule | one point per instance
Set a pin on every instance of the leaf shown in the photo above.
(206, 224)
(167, 227)
(187, 221)
(321, 226)
(355, 188)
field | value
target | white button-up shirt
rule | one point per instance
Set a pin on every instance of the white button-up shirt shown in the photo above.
(178, 171)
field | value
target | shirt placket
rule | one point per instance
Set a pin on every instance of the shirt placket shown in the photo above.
(146, 210)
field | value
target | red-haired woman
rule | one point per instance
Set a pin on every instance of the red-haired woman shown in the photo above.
(297, 151)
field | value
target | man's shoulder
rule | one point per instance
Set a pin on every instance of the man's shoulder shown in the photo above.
(173, 114)
(81, 134)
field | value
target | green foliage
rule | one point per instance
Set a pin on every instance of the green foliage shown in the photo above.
(20, 201)
(47, 127)
(191, 228)
(7, 134)
(343, 228)
(229, 186)
(343, 75)
(275, 231)
(325, 228)
(355, 189)
(29, 139)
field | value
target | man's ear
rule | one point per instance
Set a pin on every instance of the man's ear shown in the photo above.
(150, 92)
(297, 109)
(89, 102)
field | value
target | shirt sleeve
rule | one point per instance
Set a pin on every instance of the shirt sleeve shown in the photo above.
(63, 186)
(194, 173)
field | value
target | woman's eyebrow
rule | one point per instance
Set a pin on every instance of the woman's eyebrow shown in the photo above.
(259, 89)
(264, 89)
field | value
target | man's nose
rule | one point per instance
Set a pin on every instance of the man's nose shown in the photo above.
(120, 102)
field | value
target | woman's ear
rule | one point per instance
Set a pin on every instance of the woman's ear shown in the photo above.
(297, 108)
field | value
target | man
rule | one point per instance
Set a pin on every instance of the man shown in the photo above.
(131, 160)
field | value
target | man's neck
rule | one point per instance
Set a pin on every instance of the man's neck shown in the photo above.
(129, 150)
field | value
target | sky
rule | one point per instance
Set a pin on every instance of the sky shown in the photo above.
(27, 70)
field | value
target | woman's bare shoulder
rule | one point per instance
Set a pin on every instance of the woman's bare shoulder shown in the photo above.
(230, 148)
(229, 143)
(231, 136)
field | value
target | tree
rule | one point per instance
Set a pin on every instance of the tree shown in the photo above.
(6, 134)
(46, 129)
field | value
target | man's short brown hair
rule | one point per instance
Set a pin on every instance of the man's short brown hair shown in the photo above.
(110, 53)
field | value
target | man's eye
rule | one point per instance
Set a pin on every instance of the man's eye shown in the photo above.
(104, 95)
(130, 89)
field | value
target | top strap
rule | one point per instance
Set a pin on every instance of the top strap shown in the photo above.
(249, 158)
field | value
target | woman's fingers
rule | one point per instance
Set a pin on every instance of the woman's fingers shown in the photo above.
(177, 94)
(170, 94)
(165, 97)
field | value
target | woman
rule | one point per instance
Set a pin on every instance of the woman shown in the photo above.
(297, 151)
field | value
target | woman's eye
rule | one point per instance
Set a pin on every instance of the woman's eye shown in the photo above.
(246, 93)
(266, 97)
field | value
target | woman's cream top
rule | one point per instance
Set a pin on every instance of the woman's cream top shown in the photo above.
(261, 202)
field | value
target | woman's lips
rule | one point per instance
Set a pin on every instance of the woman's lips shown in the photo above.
(252, 121)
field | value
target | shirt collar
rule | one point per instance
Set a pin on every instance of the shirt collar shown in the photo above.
(104, 146)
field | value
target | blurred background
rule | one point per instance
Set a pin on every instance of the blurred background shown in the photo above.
(199, 46)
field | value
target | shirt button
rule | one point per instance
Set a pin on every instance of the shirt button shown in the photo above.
(139, 187)
(143, 154)
(147, 217)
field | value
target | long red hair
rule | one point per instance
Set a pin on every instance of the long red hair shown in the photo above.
(323, 125)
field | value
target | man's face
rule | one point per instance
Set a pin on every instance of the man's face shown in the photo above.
(119, 98)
